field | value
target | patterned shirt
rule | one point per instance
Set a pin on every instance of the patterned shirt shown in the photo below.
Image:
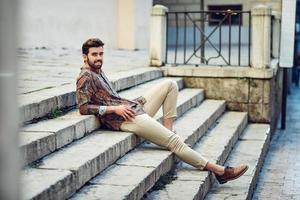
(95, 89)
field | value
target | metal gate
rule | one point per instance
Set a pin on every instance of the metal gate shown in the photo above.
(208, 38)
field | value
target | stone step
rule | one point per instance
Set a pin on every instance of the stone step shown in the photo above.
(39, 104)
(251, 150)
(44, 137)
(60, 174)
(134, 174)
(215, 146)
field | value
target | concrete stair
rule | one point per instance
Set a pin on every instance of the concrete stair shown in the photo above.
(251, 148)
(60, 174)
(216, 146)
(135, 173)
(40, 139)
(39, 104)
(70, 157)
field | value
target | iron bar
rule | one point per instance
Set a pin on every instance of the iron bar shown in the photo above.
(202, 25)
(176, 46)
(220, 40)
(229, 39)
(167, 37)
(184, 53)
(249, 39)
(194, 39)
(239, 45)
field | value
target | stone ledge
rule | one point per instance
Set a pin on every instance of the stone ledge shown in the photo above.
(220, 72)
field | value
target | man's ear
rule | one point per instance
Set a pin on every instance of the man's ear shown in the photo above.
(84, 57)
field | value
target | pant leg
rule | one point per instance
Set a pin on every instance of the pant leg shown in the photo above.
(148, 128)
(163, 94)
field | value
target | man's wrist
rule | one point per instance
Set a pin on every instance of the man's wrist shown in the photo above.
(102, 110)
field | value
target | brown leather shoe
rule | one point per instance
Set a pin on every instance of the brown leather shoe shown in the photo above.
(231, 173)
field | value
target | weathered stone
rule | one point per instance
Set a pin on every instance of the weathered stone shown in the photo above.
(249, 150)
(256, 91)
(259, 112)
(235, 106)
(42, 102)
(233, 90)
(34, 182)
(219, 72)
(34, 145)
(194, 184)
(93, 154)
(157, 159)
(74, 126)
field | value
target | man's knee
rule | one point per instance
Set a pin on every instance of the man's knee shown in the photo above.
(176, 143)
(172, 84)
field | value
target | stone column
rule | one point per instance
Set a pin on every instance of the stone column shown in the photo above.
(276, 33)
(261, 40)
(9, 147)
(158, 35)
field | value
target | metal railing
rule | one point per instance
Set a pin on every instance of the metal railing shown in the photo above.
(208, 37)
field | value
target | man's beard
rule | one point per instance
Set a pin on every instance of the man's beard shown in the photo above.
(93, 65)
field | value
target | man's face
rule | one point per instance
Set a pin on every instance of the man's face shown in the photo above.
(95, 57)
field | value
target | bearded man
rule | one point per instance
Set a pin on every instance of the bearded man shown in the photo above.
(95, 95)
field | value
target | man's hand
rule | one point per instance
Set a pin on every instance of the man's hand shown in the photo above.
(125, 111)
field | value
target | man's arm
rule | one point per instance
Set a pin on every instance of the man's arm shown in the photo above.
(125, 111)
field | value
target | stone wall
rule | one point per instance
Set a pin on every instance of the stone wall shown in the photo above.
(260, 95)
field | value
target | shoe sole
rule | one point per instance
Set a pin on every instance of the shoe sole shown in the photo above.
(243, 172)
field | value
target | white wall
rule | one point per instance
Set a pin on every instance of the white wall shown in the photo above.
(142, 29)
(67, 23)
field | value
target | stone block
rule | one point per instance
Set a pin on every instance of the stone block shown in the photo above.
(30, 111)
(259, 113)
(34, 182)
(35, 145)
(234, 90)
(87, 157)
(235, 106)
(256, 91)
(46, 105)
(137, 157)
(268, 93)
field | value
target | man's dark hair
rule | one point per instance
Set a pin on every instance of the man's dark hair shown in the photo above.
(92, 42)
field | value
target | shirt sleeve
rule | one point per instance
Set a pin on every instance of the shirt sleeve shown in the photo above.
(84, 90)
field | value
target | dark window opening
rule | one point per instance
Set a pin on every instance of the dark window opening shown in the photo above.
(216, 17)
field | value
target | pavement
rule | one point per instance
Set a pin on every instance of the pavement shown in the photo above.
(280, 175)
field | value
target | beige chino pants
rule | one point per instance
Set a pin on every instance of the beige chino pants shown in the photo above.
(165, 95)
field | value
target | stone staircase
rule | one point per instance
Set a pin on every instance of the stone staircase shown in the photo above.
(70, 157)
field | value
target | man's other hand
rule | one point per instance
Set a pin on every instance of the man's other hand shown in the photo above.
(125, 111)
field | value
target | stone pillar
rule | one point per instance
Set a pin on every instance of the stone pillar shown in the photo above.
(276, 33)
(9, 146)
(261, 40)
(158, 35)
